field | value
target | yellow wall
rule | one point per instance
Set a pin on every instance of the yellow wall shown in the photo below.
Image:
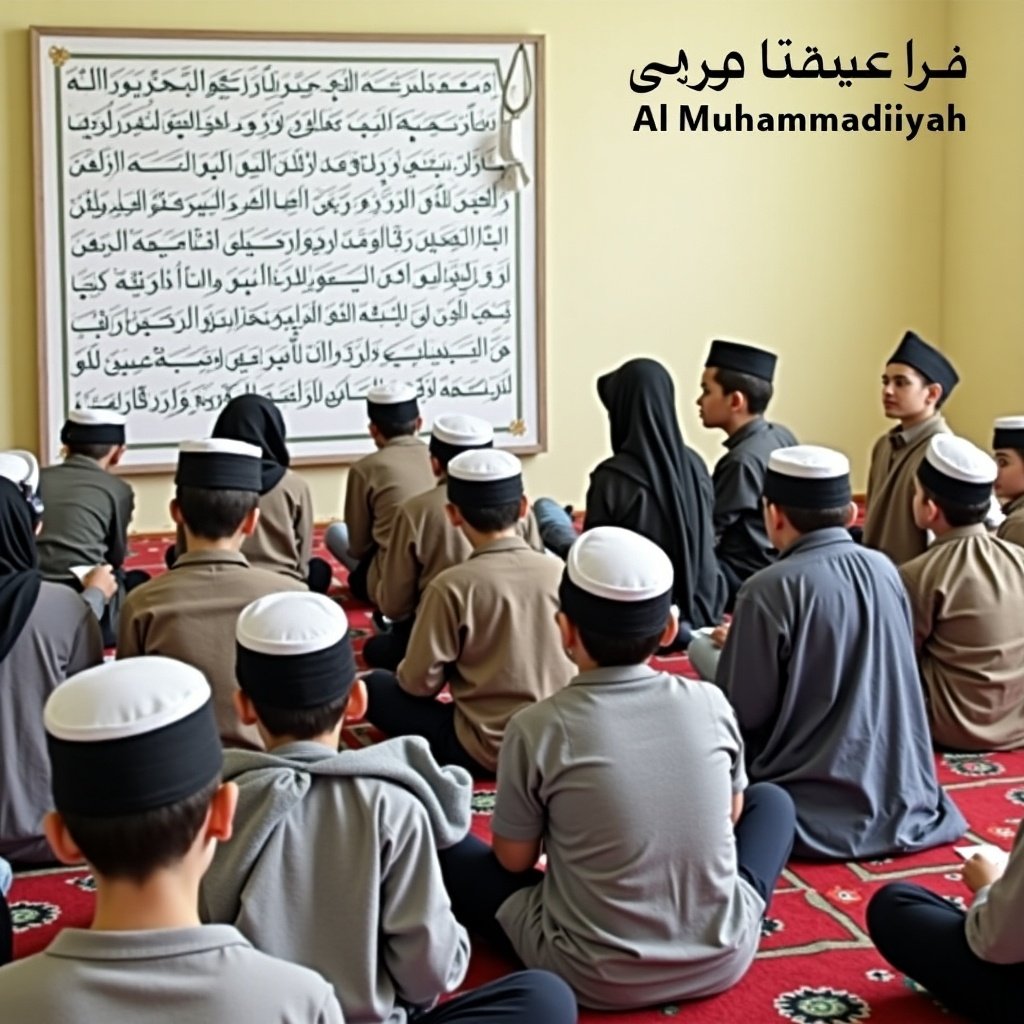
(823, 247)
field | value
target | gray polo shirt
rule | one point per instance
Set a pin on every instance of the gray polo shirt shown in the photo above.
(60, 637)
(628, 776)
(193, 975)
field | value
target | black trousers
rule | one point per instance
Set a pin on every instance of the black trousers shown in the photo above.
(397, 713)
(478, 885)
(923, 935)
(386, 650)
(529, 997)
(6, 933)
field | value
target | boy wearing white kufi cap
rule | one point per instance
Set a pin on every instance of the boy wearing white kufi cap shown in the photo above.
(423, 542)
(967, 596)
(377, 484)
(136, 773)
(1008, 446)
(606, 916)
(357, 833)
(189, 612)
(88, 511)
(819, 665)
(485, 627)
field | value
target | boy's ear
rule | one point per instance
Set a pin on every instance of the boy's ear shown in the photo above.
(566, 630)
(355, 709)
(737, 401)
(59, 838)
(222, 812)
(419, 424)
(118, 454)
(435, 467)
(671, 630)
(934, 393)
(244, 708)
(248, 526)
(851, 513)
(524, 506)
(176, 516)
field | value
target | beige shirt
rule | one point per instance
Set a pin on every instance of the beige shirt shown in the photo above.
(1012, 527)
(423, 543)
(889, 522)
(283, 537)
(488, 626)
(190, 612)
(967, 596)
(377, 485)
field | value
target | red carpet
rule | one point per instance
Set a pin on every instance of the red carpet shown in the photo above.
(816, 964)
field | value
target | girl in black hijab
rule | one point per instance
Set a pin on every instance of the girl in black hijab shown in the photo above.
(656, 486)
(19, 565)
(283, 537)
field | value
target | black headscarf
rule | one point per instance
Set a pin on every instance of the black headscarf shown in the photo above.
(649, 451)
(257, 420)
(19, 572)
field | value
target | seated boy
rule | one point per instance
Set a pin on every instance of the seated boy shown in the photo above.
(660, 862)
(190, 612)
(967, 597)
(819, 666)
(917, 381)
(486, 626)
(1008, 445)
(355, 833)
(423, 542)
(972, 961)
(735, 390)
(377, 484)
(136, 768)
(88, 510)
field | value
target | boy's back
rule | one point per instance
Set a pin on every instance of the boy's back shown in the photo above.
(189, 613)
(87, 512)
(487, 627)
(181, 976)
(967, 596)
(366, 906)
(1012, 527)
(633, 771)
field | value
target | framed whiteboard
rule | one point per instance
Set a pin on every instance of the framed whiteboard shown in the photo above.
(299, 216)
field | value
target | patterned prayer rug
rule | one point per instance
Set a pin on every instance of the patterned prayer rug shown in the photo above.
(816, 964)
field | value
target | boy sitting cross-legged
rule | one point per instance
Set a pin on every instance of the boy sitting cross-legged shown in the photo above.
(660, 861)
(334, 864)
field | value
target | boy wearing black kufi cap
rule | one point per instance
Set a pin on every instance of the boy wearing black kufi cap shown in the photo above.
(189, 611)
(967, 595)
(606, 915)
(136, 771)
(356, 833)
(819, 665)
(736, 387)
(917, 381)
(1008, 446)
(423, 542)
(377, 484)
(485, 627)
(88, 511)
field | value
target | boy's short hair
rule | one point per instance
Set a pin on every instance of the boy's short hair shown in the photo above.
(133, 846)
(807, 520)
(957, 514)
(391, 430)
(214, 514)
(304, 723)
(90, 451)
(609, 650)
(491, 518)
(757, 390)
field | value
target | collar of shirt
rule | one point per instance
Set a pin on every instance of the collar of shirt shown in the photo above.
(502, 544)
(959, 532)
(615, 674)
(87, 944)
(900, 438)
(818, 539)
(755, 426)
(83, 462)
(402, 441)
(211, 557)
(1014, 505)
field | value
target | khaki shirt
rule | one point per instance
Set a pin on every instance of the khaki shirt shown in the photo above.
(377, 485)
(283, 538)
(190, 612)
(967, 596)
(889, 522)
(488, 626)
(423, 543)
(1012, 527)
